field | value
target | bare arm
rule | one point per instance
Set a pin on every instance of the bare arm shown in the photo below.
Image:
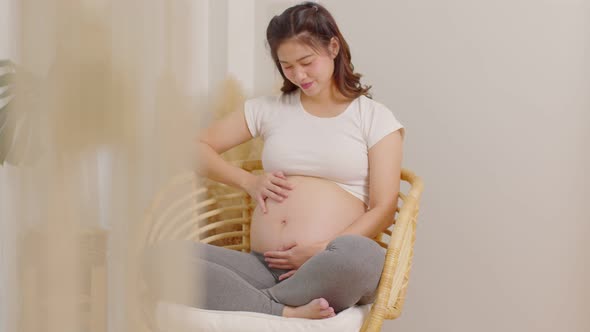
(221, 136)
(224, 135)
(385, 160)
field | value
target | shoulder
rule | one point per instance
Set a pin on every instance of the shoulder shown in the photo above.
(271, 101)
(261, 101)
(370, 106)
(371, 110)
(377, 120)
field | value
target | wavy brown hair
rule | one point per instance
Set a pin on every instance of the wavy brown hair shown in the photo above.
(313, 25)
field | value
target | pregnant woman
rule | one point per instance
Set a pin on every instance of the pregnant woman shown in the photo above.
(332, 162)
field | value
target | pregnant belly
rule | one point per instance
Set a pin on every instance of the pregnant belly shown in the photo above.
(316, 210)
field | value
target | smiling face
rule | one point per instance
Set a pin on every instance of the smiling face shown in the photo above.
(307, 68)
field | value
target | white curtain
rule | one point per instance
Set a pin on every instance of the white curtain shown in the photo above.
(8, 181)
(146, 64)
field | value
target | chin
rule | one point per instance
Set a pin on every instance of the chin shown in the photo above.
(309, 92)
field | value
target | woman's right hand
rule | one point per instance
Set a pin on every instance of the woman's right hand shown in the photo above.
(269, 185)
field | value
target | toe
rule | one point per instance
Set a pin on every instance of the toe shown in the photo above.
(323, 303)
(329, 312)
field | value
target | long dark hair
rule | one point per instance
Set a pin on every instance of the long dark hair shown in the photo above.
(313, 25)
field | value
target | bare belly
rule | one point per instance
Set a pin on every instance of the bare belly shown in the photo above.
(316, 210)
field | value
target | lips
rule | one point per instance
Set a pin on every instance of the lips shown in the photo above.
(306, 85)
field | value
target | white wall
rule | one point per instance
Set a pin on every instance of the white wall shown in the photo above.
(496, 100)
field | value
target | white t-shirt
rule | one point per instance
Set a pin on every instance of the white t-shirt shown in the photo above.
(336, 148)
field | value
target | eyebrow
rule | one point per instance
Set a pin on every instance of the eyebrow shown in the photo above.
(307, 56)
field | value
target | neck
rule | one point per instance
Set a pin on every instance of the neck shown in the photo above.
(328, 96)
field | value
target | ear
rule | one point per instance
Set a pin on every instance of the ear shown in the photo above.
(334, 47)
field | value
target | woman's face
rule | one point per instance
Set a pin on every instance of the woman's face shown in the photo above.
(305, 67)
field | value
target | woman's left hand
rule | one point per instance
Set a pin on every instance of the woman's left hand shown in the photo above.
(292, 256)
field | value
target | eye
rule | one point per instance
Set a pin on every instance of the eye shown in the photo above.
(287, 67)
(306, 64)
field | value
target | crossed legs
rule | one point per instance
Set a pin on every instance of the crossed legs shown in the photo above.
(344, 274)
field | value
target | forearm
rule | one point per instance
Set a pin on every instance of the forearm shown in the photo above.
(214, 167)
(370, 224)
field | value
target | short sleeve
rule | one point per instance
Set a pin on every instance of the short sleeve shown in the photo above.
(379, 123)
(253, 113)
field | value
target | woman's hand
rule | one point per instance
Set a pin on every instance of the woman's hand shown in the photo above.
(291, 257)
(269, 185)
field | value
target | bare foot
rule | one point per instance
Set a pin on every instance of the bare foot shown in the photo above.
(316, 309)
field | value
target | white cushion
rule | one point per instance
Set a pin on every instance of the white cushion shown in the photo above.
(179, 318)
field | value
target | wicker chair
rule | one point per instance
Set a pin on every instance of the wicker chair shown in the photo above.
(192, 208)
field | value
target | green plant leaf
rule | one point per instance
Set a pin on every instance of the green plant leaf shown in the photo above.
(6, 136)
(6, 93)
(6, 62)
(21, 141)
(4, 110)
(6, 79)
(18, 136)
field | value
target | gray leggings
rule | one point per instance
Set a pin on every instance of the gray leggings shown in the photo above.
(345, 274)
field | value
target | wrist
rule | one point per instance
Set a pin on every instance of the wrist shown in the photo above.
(246, 180)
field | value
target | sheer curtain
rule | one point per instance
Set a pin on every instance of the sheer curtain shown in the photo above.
(122, 84)
(9, 177)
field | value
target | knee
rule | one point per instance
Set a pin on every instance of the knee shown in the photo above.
(358, 252)
(354, 243)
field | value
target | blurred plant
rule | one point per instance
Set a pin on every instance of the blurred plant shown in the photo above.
(17, 135)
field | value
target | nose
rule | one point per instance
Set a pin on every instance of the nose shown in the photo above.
(300, 74)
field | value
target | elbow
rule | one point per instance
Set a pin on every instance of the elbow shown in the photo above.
(205, 143)
(387, 207)
(201, 164)
(387, 215)
(201, 144)
(202, 138)
(384, 218)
